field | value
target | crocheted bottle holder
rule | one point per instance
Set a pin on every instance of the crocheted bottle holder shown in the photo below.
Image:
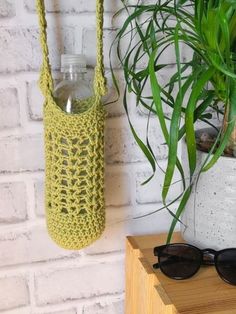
(74, 152)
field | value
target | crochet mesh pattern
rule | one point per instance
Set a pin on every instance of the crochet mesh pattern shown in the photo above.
(74, 152)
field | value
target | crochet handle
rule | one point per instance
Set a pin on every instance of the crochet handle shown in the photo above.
(46, 81)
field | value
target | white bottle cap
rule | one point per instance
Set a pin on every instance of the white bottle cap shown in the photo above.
(73, 62)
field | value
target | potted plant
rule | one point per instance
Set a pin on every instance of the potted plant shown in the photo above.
(197, 90)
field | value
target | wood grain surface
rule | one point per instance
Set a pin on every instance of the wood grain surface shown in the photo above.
(148, 291)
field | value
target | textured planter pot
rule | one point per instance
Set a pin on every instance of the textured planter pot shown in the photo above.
(210, 214)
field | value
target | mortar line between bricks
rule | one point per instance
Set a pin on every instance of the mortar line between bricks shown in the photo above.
(31, 286)
(13, 309)
(21, 176)
(18, 227)
(114, 164)
(22, 310)
(31, 203)
(28, 129)
(40, 221)
(22, 92)
(92, 299)
(124, 166)
(26, 75)
(64, 15)
(15, 173)
(37, 221)
(29, 20)
(79, 303)
(34, 73)
(65, 262)
(135, 162)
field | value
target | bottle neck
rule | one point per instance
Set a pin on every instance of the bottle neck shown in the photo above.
(73, 76)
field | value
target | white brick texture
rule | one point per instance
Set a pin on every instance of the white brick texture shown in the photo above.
(78, 283)
(70, 311)
(21, 48)
(115, 308)
(29, 245)
(89, 37)
(72, 6)
(39, 197)
(13, 204)
(7, 8)
(21, 153)
(14, 292)
(35, 101)
(121, 146)
(117, 192)
(37, 276)
(9, 108)
(18, 310)
(113, 238)
(151, 192)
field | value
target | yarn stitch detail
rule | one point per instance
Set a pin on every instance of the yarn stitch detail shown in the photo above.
(74, 155)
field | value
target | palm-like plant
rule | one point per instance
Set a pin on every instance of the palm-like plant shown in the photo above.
(208, 28)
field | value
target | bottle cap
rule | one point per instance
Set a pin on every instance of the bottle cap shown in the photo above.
(71, 62)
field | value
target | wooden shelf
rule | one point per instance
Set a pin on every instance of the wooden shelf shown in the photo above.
(148, 291)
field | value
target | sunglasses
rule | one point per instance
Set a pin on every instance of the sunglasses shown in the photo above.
(181, 261)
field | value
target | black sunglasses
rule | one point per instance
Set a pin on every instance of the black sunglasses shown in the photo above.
(182, 261)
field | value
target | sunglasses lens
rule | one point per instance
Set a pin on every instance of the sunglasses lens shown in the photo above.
(179, 261)
(226, 265)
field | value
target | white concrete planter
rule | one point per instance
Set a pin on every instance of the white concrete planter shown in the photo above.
(210, 214)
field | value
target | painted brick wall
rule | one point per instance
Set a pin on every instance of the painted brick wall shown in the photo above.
(36, 276)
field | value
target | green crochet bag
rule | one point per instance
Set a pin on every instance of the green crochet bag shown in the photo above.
(74, 152)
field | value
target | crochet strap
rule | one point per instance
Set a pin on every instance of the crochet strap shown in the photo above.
(46, 81)
(99, 78)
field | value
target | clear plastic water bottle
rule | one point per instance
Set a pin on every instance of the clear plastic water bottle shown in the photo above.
(71, 92)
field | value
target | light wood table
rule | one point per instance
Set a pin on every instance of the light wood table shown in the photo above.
(148, 291)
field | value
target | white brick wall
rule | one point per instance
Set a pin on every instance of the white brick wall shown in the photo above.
(36, 276)
(9, 108)
(39, 197)
(7, 8)
(21, 153)
(71, 6)
(35, 101)
(98, 308)
(23, 51)
(13, 207)
(78, 283)
(69, 311)
(14, 292)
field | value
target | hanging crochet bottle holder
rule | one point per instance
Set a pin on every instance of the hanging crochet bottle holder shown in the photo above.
(74, 152)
